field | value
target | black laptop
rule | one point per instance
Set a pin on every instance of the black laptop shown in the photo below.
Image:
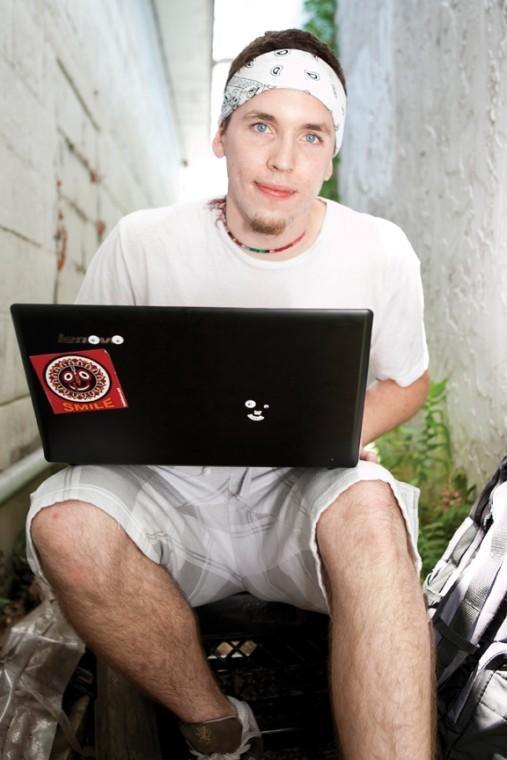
(196, 386)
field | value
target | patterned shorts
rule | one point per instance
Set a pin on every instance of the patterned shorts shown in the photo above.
(221, 530)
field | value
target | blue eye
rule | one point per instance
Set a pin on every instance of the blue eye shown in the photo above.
(312, 138)
(260, 127)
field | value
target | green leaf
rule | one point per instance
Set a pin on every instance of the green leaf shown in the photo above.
(421, 454)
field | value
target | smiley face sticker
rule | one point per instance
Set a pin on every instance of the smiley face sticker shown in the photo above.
(256, 415)
(77, 378)
(84, 382)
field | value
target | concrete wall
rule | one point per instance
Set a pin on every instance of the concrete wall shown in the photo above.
(186, 30)
(426, 146)
(87, 134)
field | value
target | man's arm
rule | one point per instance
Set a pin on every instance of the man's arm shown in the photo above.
(387, 405)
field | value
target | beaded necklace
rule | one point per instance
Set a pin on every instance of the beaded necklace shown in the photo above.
(251, 248)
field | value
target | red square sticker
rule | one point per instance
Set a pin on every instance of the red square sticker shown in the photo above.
(79, 382)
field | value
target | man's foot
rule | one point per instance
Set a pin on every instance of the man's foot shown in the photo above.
(231, 738)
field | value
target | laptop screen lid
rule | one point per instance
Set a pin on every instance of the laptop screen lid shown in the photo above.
(196, 386)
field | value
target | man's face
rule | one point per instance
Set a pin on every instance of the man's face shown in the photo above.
(278, 147)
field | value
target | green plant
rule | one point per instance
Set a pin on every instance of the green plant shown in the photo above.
(421, 453)
(321, 22)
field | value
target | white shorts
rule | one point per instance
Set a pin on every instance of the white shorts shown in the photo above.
(221, 530)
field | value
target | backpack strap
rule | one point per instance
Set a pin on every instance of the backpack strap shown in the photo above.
(463, 615)
(496, 650)
(466, 539)
(482, 502)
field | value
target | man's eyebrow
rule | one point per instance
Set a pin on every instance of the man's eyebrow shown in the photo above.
(269, 117)
(318, 128)
(259, 115)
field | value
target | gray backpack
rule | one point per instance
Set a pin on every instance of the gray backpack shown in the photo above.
(467, 599)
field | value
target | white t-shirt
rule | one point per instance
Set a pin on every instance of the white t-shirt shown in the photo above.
(180, 256)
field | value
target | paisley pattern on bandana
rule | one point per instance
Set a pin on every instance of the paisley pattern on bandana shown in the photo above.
(288, 69)
(239, 90)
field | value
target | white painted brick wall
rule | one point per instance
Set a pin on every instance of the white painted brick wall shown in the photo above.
(87, 134)
(426, 146)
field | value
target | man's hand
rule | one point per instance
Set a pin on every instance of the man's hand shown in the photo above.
(368, 455)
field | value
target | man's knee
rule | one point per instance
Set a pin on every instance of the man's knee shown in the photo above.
(364, 520)
(77, 541)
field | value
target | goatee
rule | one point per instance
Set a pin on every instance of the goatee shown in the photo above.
(266, 227)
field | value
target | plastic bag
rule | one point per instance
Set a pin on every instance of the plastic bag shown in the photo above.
(37, 659)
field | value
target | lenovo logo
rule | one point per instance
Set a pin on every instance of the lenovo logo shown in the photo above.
(95, 340)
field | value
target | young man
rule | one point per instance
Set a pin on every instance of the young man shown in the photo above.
(129, 550)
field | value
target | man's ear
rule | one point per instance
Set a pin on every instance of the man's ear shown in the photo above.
(329, 171)
(218, 144)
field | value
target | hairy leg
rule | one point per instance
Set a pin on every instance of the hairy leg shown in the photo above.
(127, 608)
(382, 667)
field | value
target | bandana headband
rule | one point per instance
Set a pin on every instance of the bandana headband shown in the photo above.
(290, 69)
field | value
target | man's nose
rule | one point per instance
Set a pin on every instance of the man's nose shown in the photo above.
(282, 156)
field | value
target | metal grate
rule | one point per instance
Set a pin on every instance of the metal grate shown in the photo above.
(230, 649)
(274, 657)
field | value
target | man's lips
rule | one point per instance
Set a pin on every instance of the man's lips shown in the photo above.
(275, 191)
